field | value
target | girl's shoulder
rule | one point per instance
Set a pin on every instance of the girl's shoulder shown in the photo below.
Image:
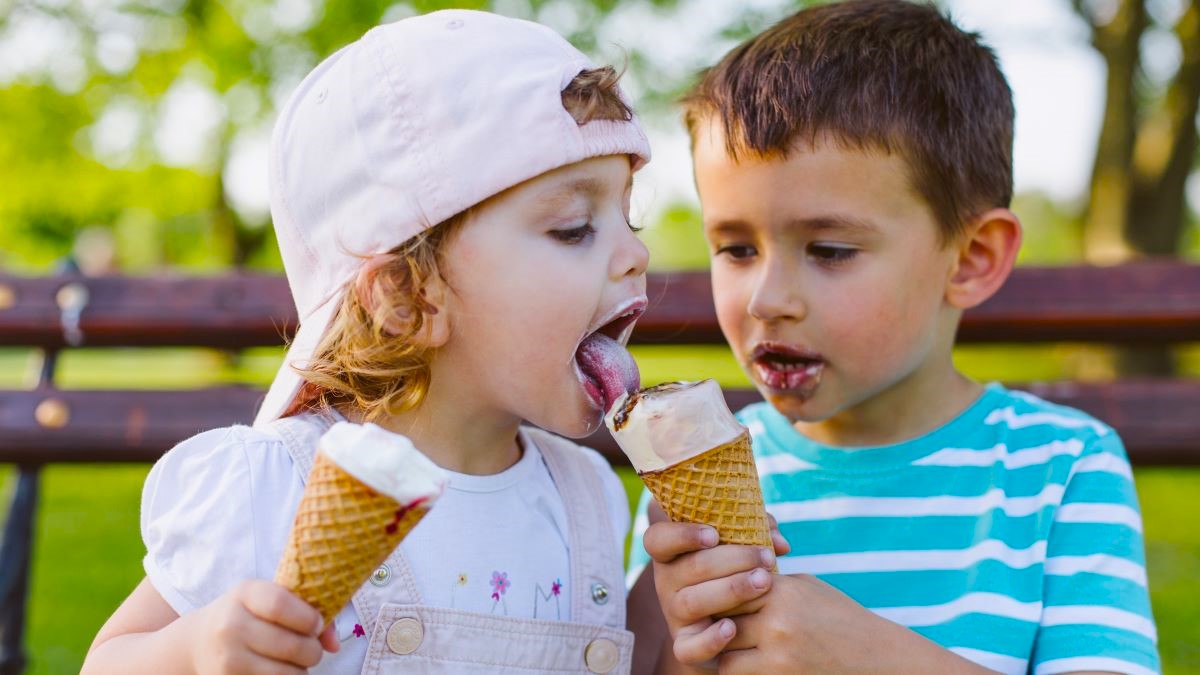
(214, 510)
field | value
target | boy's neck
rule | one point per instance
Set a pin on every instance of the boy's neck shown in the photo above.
(908, 410)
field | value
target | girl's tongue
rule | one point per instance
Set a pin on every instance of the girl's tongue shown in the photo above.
(608, 368)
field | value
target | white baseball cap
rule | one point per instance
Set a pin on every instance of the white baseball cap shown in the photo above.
(409, 125)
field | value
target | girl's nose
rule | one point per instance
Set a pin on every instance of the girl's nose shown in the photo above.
(631, 257)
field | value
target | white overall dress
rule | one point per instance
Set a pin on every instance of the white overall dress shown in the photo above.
(407, 636)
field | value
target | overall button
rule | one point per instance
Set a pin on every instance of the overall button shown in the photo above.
(601, 655)
(382, 575)
(404, 636)
(599, 593)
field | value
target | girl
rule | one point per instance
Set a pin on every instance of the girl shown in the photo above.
(451, 197)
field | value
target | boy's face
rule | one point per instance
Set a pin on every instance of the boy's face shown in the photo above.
(828, 277)
(535, 271)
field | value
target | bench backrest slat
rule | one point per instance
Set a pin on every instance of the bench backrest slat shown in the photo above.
(1152, 302)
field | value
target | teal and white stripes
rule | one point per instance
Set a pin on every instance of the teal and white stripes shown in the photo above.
(1011, 535)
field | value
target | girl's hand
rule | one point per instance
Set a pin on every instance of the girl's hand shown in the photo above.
(258, 627)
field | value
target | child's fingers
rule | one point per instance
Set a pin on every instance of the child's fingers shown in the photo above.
(781, 545)
(666, 541)
(274, 603)
(738, 662)
(703, 641)
(716, 597)
(329, 639)
(716, 563)
(254, 664)
(282, 645)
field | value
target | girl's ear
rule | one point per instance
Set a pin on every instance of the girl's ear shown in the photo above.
(986, 253)
(397, 319)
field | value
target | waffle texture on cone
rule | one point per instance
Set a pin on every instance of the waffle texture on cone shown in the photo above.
(718, 488)
(343, 530)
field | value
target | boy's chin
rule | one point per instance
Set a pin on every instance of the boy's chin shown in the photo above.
(794, 407)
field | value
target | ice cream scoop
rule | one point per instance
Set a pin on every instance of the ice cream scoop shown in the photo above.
(694, 457)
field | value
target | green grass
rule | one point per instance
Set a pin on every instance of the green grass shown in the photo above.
(88, 548)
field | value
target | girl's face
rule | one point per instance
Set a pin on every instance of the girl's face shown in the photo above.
(534, 275)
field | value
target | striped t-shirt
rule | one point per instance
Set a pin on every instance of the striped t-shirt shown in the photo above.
(1011, 535)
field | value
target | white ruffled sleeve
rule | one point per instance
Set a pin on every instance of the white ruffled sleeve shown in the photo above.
(215, 511)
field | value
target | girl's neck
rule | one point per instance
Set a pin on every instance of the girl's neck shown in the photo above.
(456, 435)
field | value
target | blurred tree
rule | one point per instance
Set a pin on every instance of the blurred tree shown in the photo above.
(138, 115)
(1147, 147)
(1148, 138)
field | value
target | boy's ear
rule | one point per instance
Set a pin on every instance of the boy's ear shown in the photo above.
(372, 292)
(986, 253)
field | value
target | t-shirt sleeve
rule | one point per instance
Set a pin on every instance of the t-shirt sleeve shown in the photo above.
(198, 518)
(1096, 607)
(638, 558)
(614, 497)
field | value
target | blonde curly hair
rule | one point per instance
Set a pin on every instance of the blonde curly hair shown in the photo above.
(363, 365)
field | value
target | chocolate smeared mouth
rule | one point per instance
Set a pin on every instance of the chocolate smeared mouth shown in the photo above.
(785, 368)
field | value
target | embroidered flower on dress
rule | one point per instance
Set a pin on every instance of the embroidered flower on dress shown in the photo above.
(500, 584)
(462, 578)
(358, 630)
(556, 587)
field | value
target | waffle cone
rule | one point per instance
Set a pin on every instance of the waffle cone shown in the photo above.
(343, 530)
(718, 488)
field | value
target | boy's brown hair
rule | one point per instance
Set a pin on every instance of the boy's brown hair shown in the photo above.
(886, 75)
(358, 362)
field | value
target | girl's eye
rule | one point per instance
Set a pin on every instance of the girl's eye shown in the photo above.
(632, 227)
(830, 254)
(574, 235)
(735, 251)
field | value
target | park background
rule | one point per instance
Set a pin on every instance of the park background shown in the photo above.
(133, 137)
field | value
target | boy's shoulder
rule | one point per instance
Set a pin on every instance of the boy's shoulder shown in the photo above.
(1017, 411)
(1017, 419)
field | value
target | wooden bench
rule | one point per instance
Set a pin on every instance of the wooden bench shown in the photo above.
(1150, 303)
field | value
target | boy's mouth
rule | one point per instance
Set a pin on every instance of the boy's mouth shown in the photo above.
(605, 368)
(787, 369)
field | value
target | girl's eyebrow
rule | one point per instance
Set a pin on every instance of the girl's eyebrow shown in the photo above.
(589, 186)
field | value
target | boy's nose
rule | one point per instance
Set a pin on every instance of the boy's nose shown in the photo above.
(776, 296)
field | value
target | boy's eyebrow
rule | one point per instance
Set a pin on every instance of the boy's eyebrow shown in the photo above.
(830, 223)
(836, 222)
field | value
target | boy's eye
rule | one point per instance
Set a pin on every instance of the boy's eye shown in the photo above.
(735, 251)
(574, 235)
(832, 254)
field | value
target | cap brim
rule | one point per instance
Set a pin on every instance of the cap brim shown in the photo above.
(287, 381)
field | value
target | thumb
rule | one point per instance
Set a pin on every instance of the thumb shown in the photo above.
(329, 639)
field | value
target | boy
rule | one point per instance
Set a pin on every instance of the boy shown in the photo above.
(854, 167)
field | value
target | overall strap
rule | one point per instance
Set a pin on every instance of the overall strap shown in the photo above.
(597, 577)
(300, 435)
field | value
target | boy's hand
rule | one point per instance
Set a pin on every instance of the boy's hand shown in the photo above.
(259, 627)
(695, 579)
(807, 626)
